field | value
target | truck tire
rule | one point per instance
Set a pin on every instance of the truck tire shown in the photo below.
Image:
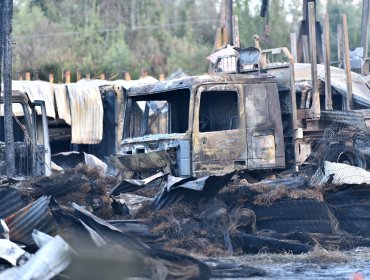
(285, 226)
(299, 209)
(350, 156)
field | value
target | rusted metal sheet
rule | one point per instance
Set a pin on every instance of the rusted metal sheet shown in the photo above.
(36, 215)
(10, 201)
(62, 102)
(86, 114)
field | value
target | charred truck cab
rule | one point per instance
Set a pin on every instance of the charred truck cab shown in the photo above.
(31, 138)
(247, 115)
(202, 125)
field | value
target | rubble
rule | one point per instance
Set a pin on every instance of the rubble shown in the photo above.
(148, 227)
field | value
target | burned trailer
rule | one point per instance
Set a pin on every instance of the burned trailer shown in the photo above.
(32, 149)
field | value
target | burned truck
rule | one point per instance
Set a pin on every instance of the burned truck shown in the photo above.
(250, 114)
(31, 137)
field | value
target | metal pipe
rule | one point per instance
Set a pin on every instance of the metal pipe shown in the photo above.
(347, 63)
(328, 96)
(315, 108)
(8, 120)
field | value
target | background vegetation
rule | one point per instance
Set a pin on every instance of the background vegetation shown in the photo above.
(160, 36)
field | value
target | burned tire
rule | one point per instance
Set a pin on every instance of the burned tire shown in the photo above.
(350, 156)
(301, 209)
(285, 226)
(353, 218)
(294, 215)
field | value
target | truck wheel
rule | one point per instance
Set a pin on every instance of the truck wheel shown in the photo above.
(348, 156)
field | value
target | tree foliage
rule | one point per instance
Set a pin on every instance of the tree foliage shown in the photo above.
(160, 36)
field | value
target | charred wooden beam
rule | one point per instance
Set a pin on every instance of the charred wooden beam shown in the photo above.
(6, 27)
(328, 96)
(365, 33)
(315, 109)
(347, 63)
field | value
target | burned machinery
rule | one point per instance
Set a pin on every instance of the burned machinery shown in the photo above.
(251, 114)
(31, 135)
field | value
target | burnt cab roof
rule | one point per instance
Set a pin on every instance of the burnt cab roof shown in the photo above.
(192, 81)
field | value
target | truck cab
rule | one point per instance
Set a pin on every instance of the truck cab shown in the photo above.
(203, 125)
(31, 139)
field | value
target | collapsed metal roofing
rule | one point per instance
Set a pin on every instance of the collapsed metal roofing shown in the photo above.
(36, 215)
(78, 104)
(360, 83)
(10, 201)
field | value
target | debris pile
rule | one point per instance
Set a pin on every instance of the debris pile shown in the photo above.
(82, 224)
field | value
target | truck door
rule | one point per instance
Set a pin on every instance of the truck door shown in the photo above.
(219, 134)
(42, 152)
(264, 126)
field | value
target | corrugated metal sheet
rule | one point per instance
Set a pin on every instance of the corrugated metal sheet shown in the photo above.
(360, 84)
(62, 102)
(86, 114)
(36, 215)
(10, 201)
(38, 90)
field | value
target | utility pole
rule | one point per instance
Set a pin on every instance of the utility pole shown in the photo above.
(6, 53)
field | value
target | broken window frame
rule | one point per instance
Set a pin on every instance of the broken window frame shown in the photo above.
(219, 88)
(130, 100)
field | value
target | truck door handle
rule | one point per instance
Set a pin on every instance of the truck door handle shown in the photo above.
(204, 140)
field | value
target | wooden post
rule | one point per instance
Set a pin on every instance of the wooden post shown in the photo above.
(87, 76)
(228, 13)
(161, 77)
(144, 73)
(293, 45)
(68, 77)
(328, 97)
(127, 76)
(36, 75)
(315, 107)
(365, 34)
(306, 56)
(78, 74)
(28, 76)
(236, 37)
(340, 45)
(102, 76)
(347, 64)
(51, 78)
